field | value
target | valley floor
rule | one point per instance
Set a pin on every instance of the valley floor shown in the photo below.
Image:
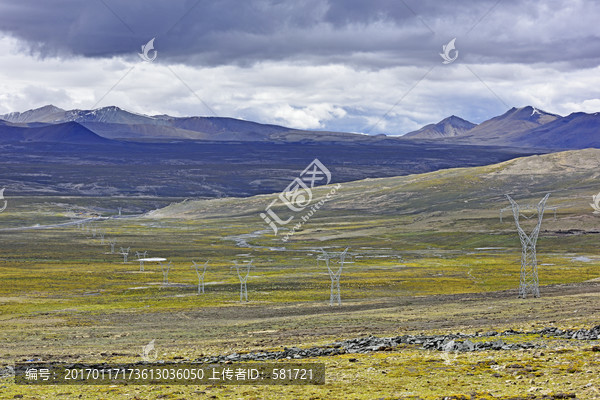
(556, 366)
(428, 256)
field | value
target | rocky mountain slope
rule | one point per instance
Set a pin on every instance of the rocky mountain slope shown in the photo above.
(448, 127)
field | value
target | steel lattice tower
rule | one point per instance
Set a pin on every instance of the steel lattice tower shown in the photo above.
(529, 275)
(165, 268)
(140, 256)
(201, 276)
(243, 279)
(335, 296)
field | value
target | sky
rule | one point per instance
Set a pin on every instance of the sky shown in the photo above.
(368, 66)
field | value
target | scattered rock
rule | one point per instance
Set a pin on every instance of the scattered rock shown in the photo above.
(487, 363)
(448, 346)
(564, 396)
(7, 371)
(579, 334)
(457, 342)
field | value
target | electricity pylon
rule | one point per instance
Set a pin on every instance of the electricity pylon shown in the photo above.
(140, 256)
(529, 283)
(165, 270)
(243, 279)
(201, 276)
(125, 253)
(335, 296)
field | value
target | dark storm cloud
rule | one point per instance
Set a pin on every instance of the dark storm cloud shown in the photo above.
(107, 27)
(373, 34)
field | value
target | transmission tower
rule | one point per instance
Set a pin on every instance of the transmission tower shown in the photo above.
(243, 278)
(529, 276)
(335, 296)
(201, 276)
(165, 270)
(553, 208)
(125, 253)
(112, 243)
(140, 257)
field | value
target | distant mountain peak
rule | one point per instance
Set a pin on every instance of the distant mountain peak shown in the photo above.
(48, 107)
(455, 120)
(41, 114)
(529, 113)
(499, 130)
(448, 127)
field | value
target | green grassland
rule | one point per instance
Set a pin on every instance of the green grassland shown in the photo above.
(429, 255)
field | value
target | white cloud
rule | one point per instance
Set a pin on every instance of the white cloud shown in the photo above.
(334, 96)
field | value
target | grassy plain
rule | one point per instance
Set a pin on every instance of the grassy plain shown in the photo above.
(430, 255)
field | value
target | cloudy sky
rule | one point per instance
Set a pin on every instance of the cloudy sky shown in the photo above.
(369, 66)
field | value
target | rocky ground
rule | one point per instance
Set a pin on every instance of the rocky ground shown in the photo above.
(458, 342)
(452, 342)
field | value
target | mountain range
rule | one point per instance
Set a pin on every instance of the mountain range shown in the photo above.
(526, 127)
(115, 123)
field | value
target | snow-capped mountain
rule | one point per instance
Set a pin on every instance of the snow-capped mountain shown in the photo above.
(525, 127)
(54, 115)
(501, 129)
(576, 130)
(116, 123)
(49, 114)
